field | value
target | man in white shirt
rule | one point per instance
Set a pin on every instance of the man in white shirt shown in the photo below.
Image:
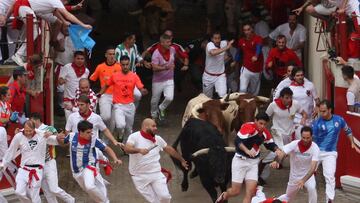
(83, 160)
(3, 149)
(52, 11)
(32, 145)
(70, 76)
(214, 74)
(294, 32)
(306, 95)
(304, 156)
(353, 92)
(282, 111)
(50, 177)
(85, 113)
(144, 149)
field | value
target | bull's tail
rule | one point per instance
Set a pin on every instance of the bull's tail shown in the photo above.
(176, 143)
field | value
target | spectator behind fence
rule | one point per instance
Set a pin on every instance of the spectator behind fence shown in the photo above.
(52, 11)
(279, 58)
(294, 32)
(353, 92)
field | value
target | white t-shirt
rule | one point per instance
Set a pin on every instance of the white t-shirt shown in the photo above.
(75, 118)
(293, 40)
(306, 96)
(32, 150)
(215, 64)
(3, 142)
(149, 163)
(45, 6)
(350, 98)
(300, 163)
(72, 81)
(283, 120)
(284, 83)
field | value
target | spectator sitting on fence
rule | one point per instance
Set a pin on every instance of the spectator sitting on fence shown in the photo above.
(353, 92)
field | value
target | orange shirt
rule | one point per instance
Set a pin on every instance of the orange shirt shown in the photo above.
(124, 87)
(104, 72)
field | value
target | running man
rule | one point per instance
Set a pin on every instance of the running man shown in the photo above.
(144, 149)
(326, 130)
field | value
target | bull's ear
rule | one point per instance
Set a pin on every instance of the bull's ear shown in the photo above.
(201, 110)
(224, 106)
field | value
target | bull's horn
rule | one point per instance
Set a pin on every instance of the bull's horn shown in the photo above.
(194, 110)
(263, 99)
(230, 149)
(200, 152)
(226, 99)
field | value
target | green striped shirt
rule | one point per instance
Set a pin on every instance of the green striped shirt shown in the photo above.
(133, 54)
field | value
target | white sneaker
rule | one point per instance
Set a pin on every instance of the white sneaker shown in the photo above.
(18, 59)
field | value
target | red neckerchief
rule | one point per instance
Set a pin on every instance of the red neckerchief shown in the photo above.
(302, 147)
(82, 140)
(79, 70)
(293, 83)
(165, 53)
(279, 103)
(148, 136)
(85, 116)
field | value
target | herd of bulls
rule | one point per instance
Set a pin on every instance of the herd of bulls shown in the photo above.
(209, 128)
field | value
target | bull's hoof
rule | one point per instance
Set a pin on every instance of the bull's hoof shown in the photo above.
(194, 174)
(184, 187)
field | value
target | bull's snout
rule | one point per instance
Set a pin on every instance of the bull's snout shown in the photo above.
(219, 179)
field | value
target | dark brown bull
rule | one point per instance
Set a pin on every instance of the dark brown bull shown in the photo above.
(212, 111)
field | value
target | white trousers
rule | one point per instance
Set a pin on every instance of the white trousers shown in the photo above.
(94, 186)
(50, 185)
(137, 96)
(152, 187)
(23, 11)
(124, 118)
(249, 81)
(292, 190)
(105, 105)
(209, 82)
(159, 88)
(26, 193)
(328, 161)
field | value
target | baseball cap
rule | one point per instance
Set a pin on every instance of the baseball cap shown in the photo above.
(20, 70)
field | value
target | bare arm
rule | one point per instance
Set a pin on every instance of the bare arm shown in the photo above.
(131, 149)
(109, 135)
(112, 154)
(70, 17)
(61, 81)
(353, 145)
(311, 171)
(103, 89)
(172, 152)
(215, 52)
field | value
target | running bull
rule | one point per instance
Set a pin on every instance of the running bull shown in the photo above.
(228, 113)
(201, 142)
